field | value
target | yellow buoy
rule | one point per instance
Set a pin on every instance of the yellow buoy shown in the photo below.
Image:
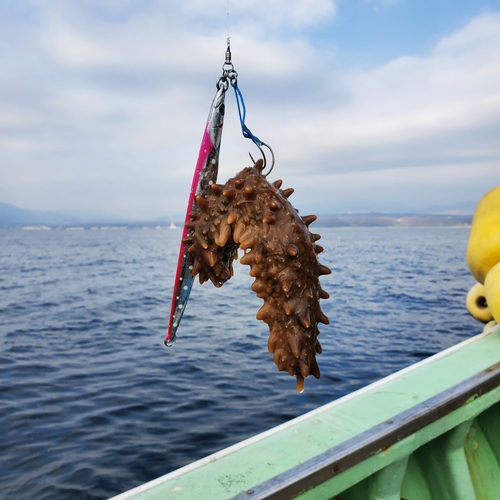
(492, 291)
(483, 249)
(477, 304)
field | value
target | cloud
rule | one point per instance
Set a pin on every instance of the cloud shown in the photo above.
(410, 110)
(400, 189)
(105, 102)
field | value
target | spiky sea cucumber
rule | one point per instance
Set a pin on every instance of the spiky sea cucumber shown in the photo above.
(255, 216)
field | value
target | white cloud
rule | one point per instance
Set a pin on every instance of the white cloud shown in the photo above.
(406, 189)
(431, 107)
(112, 110)
(159, 46)
(136, 45)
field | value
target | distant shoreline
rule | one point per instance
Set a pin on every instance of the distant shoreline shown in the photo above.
(337, 221)
(14, 217)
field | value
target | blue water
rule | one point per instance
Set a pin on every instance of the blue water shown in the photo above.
(92, 404)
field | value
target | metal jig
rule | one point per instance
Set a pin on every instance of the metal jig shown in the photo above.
(205, 175)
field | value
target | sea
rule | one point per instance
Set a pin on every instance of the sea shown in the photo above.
(91, 401)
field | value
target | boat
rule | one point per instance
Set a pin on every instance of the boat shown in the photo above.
(428, 432)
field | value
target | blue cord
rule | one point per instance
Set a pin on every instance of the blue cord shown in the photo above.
(242, 112)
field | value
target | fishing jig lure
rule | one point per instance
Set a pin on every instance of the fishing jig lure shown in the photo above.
(253, 215)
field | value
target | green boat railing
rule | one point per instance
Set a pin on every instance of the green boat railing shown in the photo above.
(428, 432)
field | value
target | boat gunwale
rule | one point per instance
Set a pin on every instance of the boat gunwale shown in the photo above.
(342, 457)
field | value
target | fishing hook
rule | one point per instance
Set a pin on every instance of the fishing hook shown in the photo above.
(259, 144)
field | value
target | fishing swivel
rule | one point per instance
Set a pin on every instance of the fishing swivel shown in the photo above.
(229, 74)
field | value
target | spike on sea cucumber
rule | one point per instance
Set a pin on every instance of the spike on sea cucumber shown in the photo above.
(269, 219)
(224, 233)
(238, 231)
(232, 217)
(322, 318)
(300, 383)
(247, 260)
(197, 265)
(288, 192)
(292, 250)
(249, 193)
(229, 193)
(287, 308)
(255, 271)
(247, 239)
(259, 287)
(314, 368)
(202, 202)
(272, 340)
(217, 188)
(309, 219)
(295, 343)
(305, 319)
(259, 165)
(277, 183)
(264, 312)
(322, 270)
(210, 257)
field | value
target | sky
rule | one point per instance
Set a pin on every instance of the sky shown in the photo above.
(369, 105)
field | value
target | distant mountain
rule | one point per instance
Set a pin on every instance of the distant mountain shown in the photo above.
(11, 215)
(393, 220)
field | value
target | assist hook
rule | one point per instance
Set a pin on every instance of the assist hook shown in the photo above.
(242, 111)
(259, 145)
(231, 76)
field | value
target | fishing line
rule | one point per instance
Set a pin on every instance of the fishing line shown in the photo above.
(230, 77)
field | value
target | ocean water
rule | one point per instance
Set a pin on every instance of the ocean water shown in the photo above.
(92, 403)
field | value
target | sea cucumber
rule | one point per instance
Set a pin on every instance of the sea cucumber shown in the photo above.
(255, 216)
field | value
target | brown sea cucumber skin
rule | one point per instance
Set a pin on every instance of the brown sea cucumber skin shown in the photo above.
(255, 216)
